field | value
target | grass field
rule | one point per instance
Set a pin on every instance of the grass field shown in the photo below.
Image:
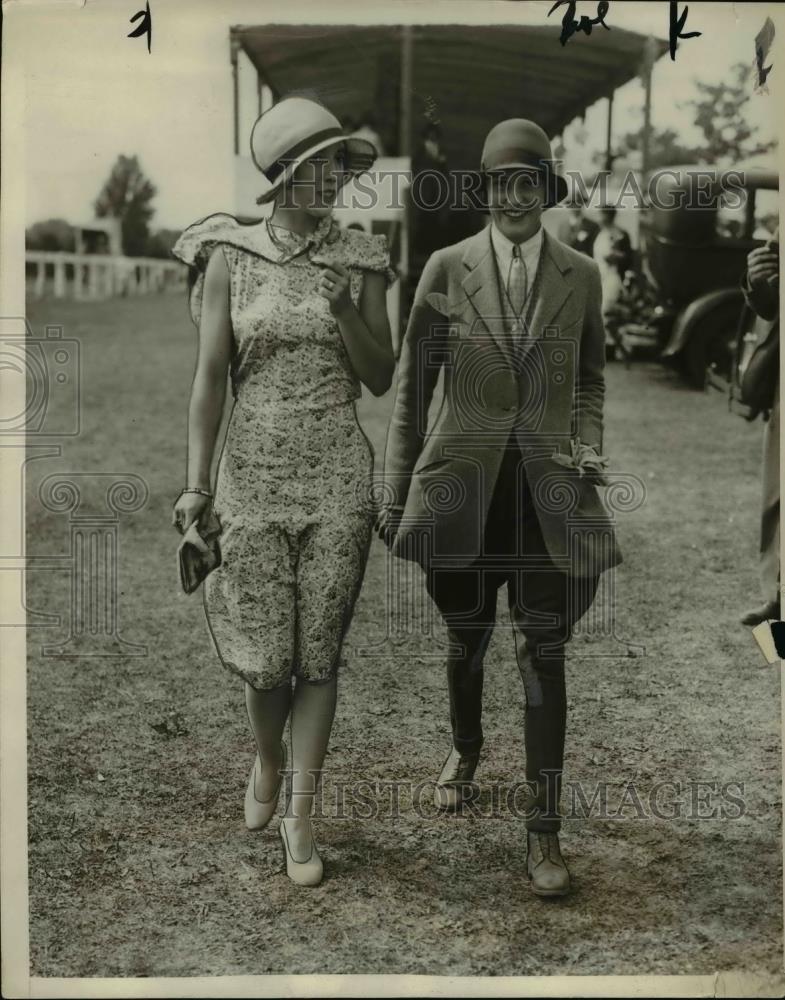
(139, 861)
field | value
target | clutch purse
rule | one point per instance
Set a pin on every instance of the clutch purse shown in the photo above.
(199, 551)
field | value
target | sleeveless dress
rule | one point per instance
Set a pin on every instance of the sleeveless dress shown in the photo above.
(293, 485)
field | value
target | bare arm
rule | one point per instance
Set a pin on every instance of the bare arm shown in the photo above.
(208, 391)
(365, 329)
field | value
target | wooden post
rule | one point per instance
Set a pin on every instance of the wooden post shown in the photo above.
(40, 278)
(234, 49)
(92, 280)
(608, 153)
(59, 266)
(648, 62)
(78, 277)
(405, 102)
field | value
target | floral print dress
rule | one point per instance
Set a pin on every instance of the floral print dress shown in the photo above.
(293, 486)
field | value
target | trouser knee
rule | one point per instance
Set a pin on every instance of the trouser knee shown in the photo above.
(468, 646)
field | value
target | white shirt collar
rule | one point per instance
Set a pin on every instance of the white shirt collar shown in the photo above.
(502, 246)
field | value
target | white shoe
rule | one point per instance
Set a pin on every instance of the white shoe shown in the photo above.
(307, 872)
(259, 812)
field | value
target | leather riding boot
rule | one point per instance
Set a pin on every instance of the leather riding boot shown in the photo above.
(455, 784)
(767, 612)
(545, 723)
(545, 866)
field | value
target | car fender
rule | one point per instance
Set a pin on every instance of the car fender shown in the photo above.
(690, 317)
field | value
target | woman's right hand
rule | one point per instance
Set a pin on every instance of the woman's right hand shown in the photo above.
(188, 508)
(763, 264)
(387, 524)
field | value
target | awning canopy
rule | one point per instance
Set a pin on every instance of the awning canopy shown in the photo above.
(467, 77)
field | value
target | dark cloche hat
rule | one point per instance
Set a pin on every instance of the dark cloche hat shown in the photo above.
(516, 143)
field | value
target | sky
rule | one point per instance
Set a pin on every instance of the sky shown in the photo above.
(91, 93)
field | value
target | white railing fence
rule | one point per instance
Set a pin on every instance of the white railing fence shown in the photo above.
(98, 276)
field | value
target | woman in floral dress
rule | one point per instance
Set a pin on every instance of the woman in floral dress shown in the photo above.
(293, 308)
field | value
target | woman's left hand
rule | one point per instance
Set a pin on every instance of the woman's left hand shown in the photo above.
(334, 285)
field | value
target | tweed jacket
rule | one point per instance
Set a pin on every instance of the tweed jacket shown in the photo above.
(544, 385)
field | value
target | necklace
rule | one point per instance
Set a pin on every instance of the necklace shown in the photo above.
(284, 243)
(293, 244)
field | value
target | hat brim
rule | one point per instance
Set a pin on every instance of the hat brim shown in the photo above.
(361, 154)
(557, 189)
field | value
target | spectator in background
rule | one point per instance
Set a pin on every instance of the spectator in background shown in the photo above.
(430, 189)
(368, 129)
(761, 290)
(576, 230)
(612, 248)
(613, 253)
(428, 202)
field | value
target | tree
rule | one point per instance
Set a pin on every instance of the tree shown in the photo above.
(720, 115)
(126, 195)
(51, 234)
(161, 242)
(665, 149)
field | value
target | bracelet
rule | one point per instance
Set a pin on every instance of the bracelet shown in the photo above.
(195, 489)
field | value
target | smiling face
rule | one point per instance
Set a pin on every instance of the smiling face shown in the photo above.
(516, 198)
(314, 185)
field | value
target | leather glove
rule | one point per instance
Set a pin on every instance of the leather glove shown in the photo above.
(586, 460)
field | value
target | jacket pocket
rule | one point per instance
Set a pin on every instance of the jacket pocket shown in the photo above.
(430, 466)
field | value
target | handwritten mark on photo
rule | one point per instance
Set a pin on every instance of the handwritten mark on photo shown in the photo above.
(763, 41)
(677, 22)
(145, 26)
(569, 25)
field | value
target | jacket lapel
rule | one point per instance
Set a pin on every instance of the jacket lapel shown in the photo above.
(482, 288)
(555, 289)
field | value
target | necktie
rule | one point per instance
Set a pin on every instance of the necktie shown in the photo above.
(517, 285)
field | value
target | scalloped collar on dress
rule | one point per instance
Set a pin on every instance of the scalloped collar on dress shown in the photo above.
(300, 245)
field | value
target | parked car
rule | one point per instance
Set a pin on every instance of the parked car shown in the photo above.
(685, 305)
